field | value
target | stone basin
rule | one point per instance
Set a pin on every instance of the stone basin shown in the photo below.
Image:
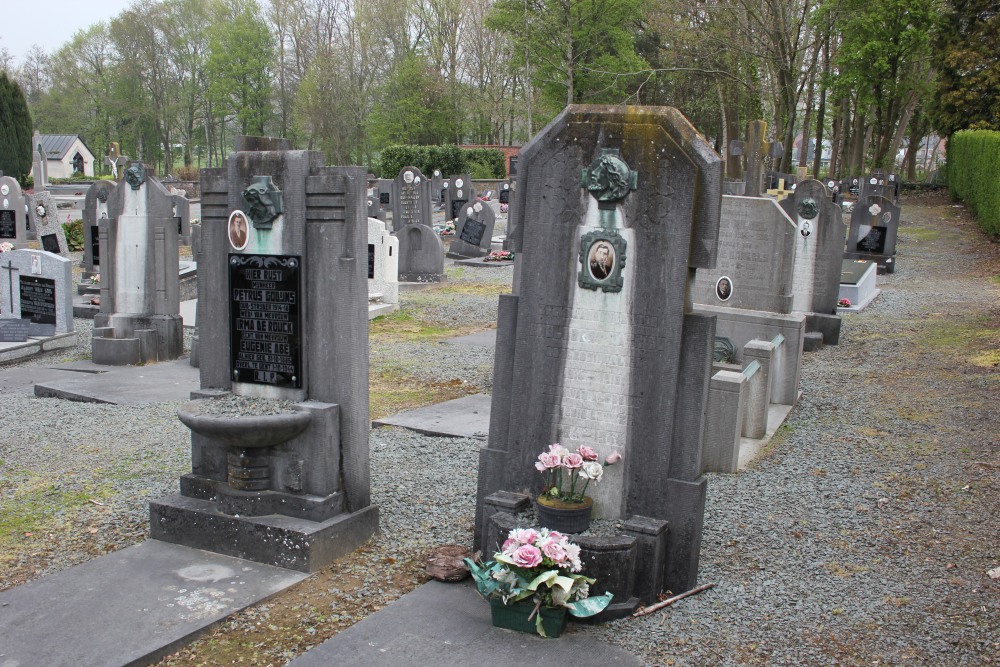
(250, 431)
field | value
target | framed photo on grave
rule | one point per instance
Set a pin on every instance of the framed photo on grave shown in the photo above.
(265, 319)
(602, 260)
(724, 288)
(239, 230)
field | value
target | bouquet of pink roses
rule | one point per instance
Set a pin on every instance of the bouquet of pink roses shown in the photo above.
(559, 465)
(541, 566)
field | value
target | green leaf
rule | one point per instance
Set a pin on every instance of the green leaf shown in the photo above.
(589, 606)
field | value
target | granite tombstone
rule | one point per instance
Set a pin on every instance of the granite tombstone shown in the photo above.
(13, 213)
(473, 231)
(459, 193)
(617, 208)
(42, 213)
(421, 252)
(289, 488)
(37, 286)
(872, 236)
(95, 209)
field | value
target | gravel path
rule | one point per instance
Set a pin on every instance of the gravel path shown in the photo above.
(862, 537)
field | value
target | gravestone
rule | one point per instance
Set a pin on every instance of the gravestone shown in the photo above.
(756, 149)
(386, 198)
(880, 184)
(13, 213)
(818, 257)
(874, 225)
(751, 288)
(39, 164)
(37, 286)
(140, 319)
(473, 231)
(43, 214)
(182, 211)
(437, 187)
(374, 210)
(95, 209)
(850, 186)
(383, 263)
(287, 297)
(756, 254)
(504, 196)
(459, 193)
(421, 253)
(616, 207)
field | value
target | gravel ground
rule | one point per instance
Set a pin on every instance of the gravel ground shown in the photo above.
(862, 537)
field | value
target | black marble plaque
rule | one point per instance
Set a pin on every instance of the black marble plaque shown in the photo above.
(874, 241)
(456, 206)
(38, 299)
(14, 331)
(50, 243)
(371, 260)
(8, 225)
(472, 231)
(95, 244)
(504, 196)
(384, 198)
(265, 319)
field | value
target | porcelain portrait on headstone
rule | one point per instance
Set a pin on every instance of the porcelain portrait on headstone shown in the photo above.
(724, 288)
(408, 176)
(239, 230)
(602, 260)
(4, 189)
(805, 228)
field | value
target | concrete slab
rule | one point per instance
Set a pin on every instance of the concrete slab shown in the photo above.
(479, 262)
(36, 345)
(486, 338)
(133, 606)
(379, 309)
(750, 448)
(449, 624)
(466, 417)
(123, 385)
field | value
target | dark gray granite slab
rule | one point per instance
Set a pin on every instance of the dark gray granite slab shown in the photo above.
(129, 607)
(466, 417)
(449, 624)
(122, 385)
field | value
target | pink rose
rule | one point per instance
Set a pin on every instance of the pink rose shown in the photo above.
(547, 460)
(523, 535)
(558, 450)
(613, 458)
(587, 453)
(554, 550)
(572, 461)
(527, 556)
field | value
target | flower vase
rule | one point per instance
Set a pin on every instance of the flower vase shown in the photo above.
(564, 517)
(515, 616)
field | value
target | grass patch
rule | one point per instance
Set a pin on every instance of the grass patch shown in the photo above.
(34, 507)
(478, 289)
(975, 340)
(922, 233)
(402, 325)
(390, 393)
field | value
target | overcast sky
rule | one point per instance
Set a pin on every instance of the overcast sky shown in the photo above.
(50, 23)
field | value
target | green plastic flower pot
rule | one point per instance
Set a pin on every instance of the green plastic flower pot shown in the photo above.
(515, 617)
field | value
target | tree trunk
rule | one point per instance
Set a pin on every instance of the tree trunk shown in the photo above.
(806, 117)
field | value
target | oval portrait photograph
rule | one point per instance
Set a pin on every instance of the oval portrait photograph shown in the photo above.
(602, 260)
(724, 288)
(239, 230)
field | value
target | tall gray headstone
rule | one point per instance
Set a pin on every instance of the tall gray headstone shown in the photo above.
(459, 193)
(39, 163)
(38, 286)
(288, 302)
(872, 236)
(421, 252)
(13, 213)
(140, 317)
(617, 208)
(756, 258)
(473, 231)
(182, 211)
(818, 257)
(95, 209)
(42, 213)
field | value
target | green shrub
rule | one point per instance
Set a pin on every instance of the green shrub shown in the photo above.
(486, 162)
(450, 160)
(74, 234)
(973, 170)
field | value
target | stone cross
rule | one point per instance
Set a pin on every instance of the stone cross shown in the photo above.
(756, 148)
(780, 192)
(11, 270)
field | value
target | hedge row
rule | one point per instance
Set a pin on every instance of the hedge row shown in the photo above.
(974, 174)
(479, 162)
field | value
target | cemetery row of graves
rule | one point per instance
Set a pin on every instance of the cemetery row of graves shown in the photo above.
(660, 317)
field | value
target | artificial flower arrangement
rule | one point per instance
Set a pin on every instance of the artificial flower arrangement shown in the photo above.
(844, 303)
(559, 465)
(6, 247)
(499, 256)
(534, 581)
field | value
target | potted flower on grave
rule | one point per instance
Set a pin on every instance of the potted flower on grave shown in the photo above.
(564, 504)
(534, 581)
